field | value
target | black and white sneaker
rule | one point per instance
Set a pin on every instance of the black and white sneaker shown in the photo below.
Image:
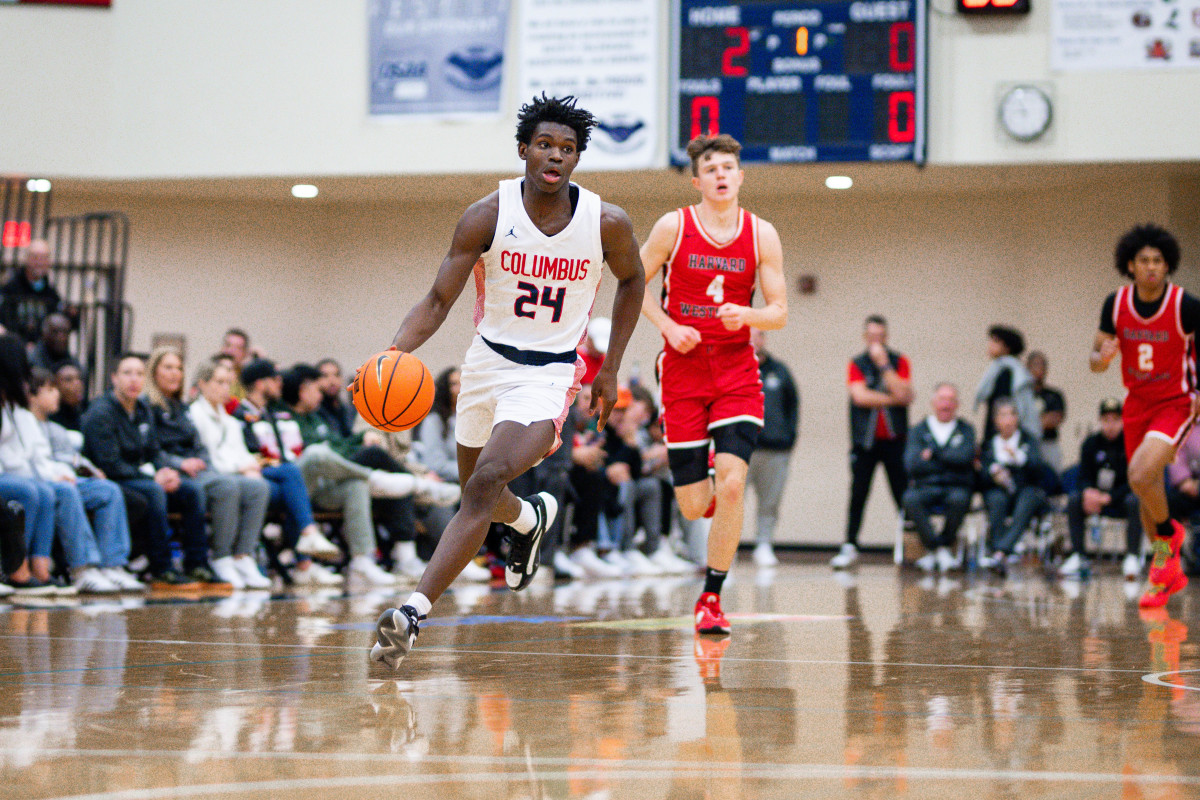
(395, 634)
(522, 563)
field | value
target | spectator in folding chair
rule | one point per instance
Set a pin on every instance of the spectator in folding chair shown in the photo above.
(1011, 468)
(53, 349)
(29, 296)
(72, 399)
(1104, 490)
(940, 459)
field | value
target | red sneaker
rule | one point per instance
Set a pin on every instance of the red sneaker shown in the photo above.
(1165, 550)
(709, 616)
(1168, 580)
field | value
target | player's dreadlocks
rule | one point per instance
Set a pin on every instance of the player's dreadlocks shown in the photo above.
(1148, 235)
(554, 109)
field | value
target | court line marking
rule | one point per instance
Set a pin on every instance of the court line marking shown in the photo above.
(1158, 679)
(728, 771)
(472, 651)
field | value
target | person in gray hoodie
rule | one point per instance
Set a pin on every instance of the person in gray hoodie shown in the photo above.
(1007, 377)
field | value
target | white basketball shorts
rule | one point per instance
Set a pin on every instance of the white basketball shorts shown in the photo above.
(495, 390)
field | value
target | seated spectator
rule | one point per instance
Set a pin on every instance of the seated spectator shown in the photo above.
(120, 437)
(1104, 489)
(334, 407)
(15, 575)
(68, 378)
(1051, 408)
(333, 482)
(655, 467)
(939, 457)
(237, 502)
(1183, 488)
(223, 437)
(235, 344)
(1006, 378)
(29, 297)
(102, 499)
(1011, 469)
(53, 349)
(48, 495)
(634, 498)
(589, 486)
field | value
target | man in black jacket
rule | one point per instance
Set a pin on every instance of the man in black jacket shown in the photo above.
(29, 297)
(1012, 468)
(1104, 489)
(769, 463)
(119, 437)
(940, 459)
(879, 381)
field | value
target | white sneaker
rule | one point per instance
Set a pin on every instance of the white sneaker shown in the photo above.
(945, 559)
(1072, 567)
(390, 484)
(926, 563)
(438, 493)
(412, 567)
(316, 545)
(764, 555)
(251, 576)
(845, 557)
(366, 568)
(1131, 567)
(593, 565)
(227, 571)
(476, 572)
(5, 590)
(316, 575)
(665, 557)
(616, 559)
(123, 579)
(91, 580)
(639, 564)
(565, 566)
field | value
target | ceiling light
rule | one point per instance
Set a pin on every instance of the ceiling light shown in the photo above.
(838, 182)
(304, 190)
(37, 185)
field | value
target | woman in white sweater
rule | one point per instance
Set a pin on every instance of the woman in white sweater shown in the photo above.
(222, 437)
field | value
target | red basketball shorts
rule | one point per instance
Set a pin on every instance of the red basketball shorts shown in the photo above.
(1168, 420)
(710, 386)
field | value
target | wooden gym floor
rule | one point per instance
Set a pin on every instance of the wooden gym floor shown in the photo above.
(880, 684)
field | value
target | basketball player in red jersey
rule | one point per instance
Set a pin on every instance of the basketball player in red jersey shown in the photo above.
(712, 254)
(536, 248)
(1151, 324)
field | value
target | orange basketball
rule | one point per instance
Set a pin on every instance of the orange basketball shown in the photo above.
(393, 391)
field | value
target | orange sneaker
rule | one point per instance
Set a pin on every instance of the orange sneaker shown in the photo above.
(1165, 550)
(1170, 580)
(709, 616)
(708, 654)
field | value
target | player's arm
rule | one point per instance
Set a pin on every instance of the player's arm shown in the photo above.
(655, 253)
(472, 237)
(773, 314)
(1104, 349)
(621, 255)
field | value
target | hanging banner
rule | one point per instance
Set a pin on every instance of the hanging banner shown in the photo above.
(606, 54)
(1124, 34)
(443, 57)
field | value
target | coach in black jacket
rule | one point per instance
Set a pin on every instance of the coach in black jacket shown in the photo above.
(940, 459)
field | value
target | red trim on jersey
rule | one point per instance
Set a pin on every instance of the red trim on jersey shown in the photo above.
(479, 290)
(742, 214)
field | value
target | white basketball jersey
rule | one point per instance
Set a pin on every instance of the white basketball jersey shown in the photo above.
(535, 292)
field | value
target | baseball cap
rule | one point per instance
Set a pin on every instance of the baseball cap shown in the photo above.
(256, 370)
(624, 397)
(1110, 405)
(598, 331)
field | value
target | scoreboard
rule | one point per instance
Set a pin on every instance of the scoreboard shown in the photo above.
(833, 80)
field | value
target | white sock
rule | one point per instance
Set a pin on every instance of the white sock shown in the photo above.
(420, 602)
(526, 519)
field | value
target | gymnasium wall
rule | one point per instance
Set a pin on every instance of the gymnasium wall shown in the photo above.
(192, 88)
(310, 280)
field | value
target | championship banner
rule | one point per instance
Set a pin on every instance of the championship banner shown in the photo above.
(1124, 34)
(436, 58)
(606, 54)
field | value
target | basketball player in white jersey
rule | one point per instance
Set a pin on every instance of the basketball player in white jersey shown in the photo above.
(535, 248)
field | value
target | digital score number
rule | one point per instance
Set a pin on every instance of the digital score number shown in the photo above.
(802, 81)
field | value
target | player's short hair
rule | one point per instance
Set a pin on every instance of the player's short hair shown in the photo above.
(721, 143)
(561, 110)
(1148, 235)
(875, 319)
(1011, 338)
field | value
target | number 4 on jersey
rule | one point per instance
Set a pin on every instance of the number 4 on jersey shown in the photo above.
(530, 297)
(716, 289)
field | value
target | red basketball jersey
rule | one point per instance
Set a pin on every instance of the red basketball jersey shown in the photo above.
(1157, 360)
(702, 274)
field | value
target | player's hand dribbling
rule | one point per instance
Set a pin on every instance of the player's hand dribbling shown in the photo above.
(682, 338)
(733, 316)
